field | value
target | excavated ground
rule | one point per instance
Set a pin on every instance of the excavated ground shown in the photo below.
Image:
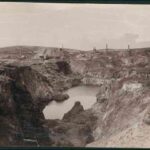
(120, 117)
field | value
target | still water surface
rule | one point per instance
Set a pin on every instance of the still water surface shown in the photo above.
(85, 94)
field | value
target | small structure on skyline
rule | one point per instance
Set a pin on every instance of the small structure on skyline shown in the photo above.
(94, 49)
(61, 47)
(21, 56)
(128, 47)
(106, 46)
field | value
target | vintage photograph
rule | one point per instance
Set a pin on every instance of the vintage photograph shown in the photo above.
(74, 75)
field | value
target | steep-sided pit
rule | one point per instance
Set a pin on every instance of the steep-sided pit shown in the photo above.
(77, 91)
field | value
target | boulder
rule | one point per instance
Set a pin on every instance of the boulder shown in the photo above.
(101, 100)
(60, 97)
(77, 108)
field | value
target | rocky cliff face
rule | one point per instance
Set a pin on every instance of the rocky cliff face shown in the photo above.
(35, 83)
(119, 109)
(24, 92)
(58, 73)
(22, 104)
(123, 102)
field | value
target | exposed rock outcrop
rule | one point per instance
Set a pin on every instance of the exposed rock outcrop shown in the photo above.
(56, 75)
(77, 108)
(124, 108)
(19, 116)
(35, 83)
(59, 97)
(75, 129)
(146, 118)
(24, 94)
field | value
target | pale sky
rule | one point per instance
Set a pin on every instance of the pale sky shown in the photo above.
(77, 26)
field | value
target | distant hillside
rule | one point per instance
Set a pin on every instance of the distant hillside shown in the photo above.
(15, 52)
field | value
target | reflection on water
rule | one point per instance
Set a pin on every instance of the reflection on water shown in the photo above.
(85, 94)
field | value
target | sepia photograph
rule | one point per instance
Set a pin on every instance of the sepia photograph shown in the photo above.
(74, 75)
